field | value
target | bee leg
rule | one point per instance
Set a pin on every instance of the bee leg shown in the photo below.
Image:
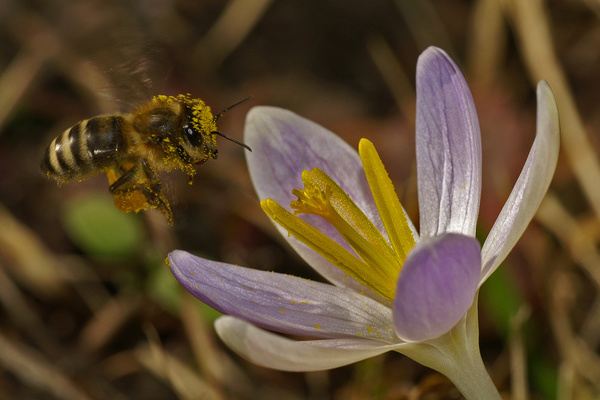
(153, 192)
(120, 185)
(151, 189)
(127, 176)
(189, 163)
(158, 201)
(185, 157)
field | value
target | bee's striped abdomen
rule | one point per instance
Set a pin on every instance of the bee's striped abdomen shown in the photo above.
(104, 139)
(86, 147)
(67, 157)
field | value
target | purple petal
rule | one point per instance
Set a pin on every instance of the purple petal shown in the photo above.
(437, 285)
(531, 186)
(283, 303)
(448, 147)
(273, 351)
(283, 145)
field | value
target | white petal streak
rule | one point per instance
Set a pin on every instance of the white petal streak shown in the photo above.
(448, 147)
(530, 188)
(271, 350)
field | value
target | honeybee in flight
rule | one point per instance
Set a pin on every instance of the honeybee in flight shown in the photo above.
(168, 133)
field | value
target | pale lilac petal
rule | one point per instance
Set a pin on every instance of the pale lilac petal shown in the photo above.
(531, 186)
(274, 351)
(437, 286)
(282, 303)
(448, 147)
(283, 145)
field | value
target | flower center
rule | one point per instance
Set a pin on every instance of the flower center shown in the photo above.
(377, 262)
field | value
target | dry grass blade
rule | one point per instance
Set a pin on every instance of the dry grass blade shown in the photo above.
(488, 43)
(31, 368)
(106, 322)
(229, 31)
(27, 258)
(22, 314)
(48, 47)
(203, 345)
(570, 232)
(573, 350)
(517, 354)
(580, 362)
(533, 30)
(184, 381)
(393, 74)
(433, 33)
(22, 71)
(590, 329)
(213, 362)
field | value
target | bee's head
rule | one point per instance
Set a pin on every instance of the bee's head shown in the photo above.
(198, 139)
(201, 129)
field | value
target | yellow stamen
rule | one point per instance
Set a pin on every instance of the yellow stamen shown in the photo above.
(329, 249)
(389, 207)
(322, 196)
(378, 263)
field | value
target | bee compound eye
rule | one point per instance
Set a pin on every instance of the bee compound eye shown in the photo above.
(193, 137)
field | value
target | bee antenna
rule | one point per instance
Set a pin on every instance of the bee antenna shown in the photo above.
(229, 108)
(244, 145)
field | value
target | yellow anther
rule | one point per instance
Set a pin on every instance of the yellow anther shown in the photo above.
(379, 262)
(390, 210)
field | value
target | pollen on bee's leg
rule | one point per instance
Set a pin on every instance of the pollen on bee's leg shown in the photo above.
(132, 201)
(156, 200)
(189, 169)
(165, 209)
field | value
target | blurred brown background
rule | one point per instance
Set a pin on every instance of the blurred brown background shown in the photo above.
(88, 309)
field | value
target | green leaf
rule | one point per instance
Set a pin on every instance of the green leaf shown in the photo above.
(95, 225)
(501, 300)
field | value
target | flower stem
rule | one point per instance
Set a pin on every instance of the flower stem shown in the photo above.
(471, 378)
(456, 355)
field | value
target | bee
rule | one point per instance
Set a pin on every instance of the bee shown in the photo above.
(167, 133)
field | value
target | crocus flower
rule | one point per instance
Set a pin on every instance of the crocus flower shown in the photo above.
(390, 287)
